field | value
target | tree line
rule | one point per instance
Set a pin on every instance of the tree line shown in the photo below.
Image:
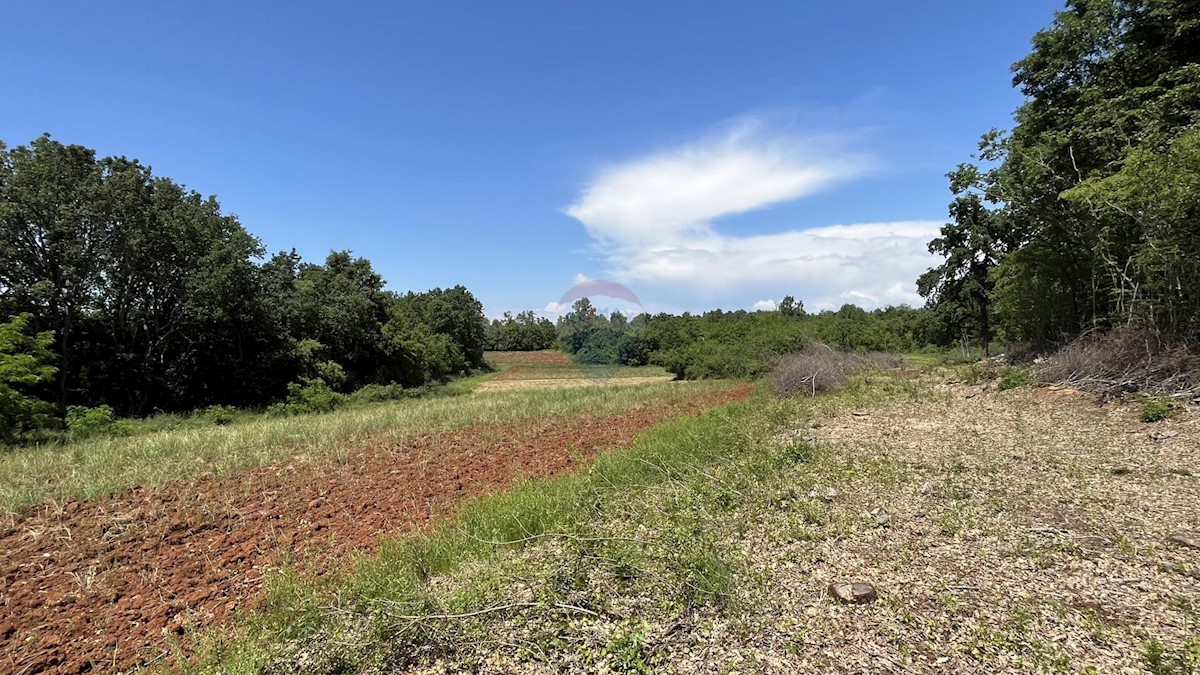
(125, 289)
(1086, 215)
(720, 344)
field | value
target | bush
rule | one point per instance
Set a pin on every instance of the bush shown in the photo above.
(821, 368)
(377, 393)
(1015, 377)
(219, 415)
(85, 422)
(1155, 410)
(309, 396)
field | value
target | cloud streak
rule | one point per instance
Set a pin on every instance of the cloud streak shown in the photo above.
(652, 220)
(678, 193)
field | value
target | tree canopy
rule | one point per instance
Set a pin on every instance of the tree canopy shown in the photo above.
(1092, 197)
(145, 296)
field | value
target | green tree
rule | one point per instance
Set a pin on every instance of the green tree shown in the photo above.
(789, 306)
(53, 232)
(972, 245)
(1109, 83)
(24, 365)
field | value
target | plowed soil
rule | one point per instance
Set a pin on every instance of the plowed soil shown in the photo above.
(102, 586)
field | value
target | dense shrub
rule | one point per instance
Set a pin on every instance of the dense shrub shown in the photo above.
(85, 422)
(219, 415)
(309, 396)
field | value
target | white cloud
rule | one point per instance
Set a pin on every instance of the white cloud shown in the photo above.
(764, 306)
(555, 308)
(581, 278)
(870, 264)
(678, 193)
(652, 220)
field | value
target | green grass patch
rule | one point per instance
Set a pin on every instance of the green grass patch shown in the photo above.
(638, 523)
(641, 532)
(1155, 409)
(101, 465)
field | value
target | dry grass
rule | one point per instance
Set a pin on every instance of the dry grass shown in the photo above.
(1022, 531)
(820, 369)
(1026, 531)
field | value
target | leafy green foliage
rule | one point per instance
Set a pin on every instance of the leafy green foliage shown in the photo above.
(1155, 410)
(522, 333)
(972, 245)
(24, 364)
(739, 344)
(84, 422)
(1094, 193)
(1015, 377)
(157, 301)
(310, 396)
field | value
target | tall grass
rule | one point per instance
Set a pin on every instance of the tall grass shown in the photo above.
(92, 468)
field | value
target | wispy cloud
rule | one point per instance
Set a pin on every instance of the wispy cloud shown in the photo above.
(678, 193)
(652, 220)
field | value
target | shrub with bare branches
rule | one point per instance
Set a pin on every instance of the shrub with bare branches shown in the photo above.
(1124, 360)
(821, 368)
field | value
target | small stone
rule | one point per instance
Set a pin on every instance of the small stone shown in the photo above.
(881, 519)
(853, 593)
(861, 413)
(1163, 435)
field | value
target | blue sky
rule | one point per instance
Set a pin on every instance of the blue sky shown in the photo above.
(703, 154)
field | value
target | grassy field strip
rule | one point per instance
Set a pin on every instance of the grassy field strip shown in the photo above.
(566, 383)
(89, 469)
(1000, 539)
(636, 528)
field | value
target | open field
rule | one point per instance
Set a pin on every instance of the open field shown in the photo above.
(113, 549)
(1029, 530)
(554, 370)
(1019, 531)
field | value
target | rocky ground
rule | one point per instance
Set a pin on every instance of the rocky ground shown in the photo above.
(1029, 530)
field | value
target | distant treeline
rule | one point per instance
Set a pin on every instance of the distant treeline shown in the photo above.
(125, 289)
(522, 333)
(741, 344)
(1086, 215)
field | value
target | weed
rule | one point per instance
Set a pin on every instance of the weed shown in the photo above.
(1015, 377)
(1161, 660)
(625, 651)
(1155, 409)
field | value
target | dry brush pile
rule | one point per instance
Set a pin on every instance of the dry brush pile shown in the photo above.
(820, 368)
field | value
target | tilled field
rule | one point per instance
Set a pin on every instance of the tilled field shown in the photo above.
(105, 585)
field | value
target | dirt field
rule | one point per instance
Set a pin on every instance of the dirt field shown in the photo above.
(556, 383)
(554, 370)
(105, 585)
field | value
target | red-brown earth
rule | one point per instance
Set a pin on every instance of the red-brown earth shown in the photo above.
(104, 585)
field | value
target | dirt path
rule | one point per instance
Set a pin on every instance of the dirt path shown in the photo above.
(100, 586)
(560, 383)
(1020, 531)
